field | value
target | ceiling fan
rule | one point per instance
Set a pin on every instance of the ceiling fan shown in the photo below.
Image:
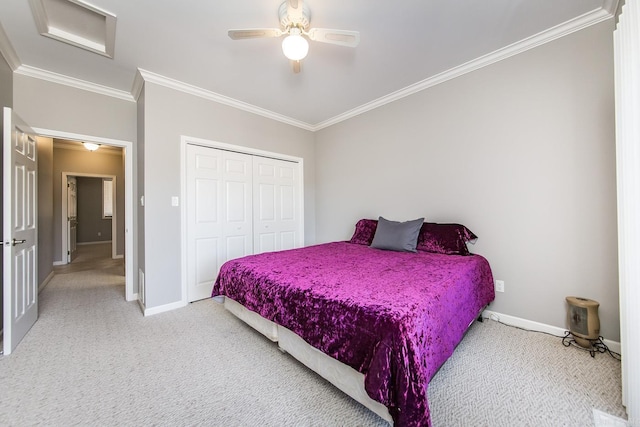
(295, 22)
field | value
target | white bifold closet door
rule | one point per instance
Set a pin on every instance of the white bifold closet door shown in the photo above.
(237, 204)
(276, 225)
(219, 214)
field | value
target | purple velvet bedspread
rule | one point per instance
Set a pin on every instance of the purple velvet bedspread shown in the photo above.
(394, 316)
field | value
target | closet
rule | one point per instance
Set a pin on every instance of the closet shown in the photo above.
(237, 204)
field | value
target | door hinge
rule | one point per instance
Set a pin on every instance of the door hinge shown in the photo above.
(68, 253)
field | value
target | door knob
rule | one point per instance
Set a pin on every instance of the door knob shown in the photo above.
(17, 242)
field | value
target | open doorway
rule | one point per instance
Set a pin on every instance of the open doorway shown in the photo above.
(89, 206)
(123, 221)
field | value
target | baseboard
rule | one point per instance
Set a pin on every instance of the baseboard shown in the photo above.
(46, 281)
(539, 327)
(162, 308)
(97, 242)
(56, 263)
(134, 297)
(118, 256)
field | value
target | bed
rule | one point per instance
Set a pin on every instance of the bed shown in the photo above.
(376, 323)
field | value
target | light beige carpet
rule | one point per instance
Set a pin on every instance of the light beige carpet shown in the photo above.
(93, 359)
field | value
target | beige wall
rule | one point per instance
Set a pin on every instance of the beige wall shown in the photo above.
(100, 162)
(168, 114)
(92, 226)
(47, 105)
(522, 152)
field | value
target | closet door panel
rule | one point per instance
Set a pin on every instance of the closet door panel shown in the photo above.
(287, 203)
(238, 200)
(287, 240)
(288, 221)
(205, 251)
(275, 205)
(266, 242)
(266, 206)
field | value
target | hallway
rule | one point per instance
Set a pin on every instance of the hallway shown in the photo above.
(93, 257)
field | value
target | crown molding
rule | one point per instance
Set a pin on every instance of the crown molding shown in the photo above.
(566, 28)
(611, 6)
(170, 83)
(138, 84)
(7, 50)
(29, 71)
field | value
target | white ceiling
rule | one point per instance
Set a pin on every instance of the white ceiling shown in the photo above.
(404, 46)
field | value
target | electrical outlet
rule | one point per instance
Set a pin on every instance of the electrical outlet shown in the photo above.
(499, 285)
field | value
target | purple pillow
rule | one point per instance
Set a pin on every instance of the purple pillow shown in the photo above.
(449, 239)
(365, 230)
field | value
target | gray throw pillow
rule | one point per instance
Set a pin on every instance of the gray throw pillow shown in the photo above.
(397, 236)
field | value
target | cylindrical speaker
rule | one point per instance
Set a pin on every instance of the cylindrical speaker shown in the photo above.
(584, 323)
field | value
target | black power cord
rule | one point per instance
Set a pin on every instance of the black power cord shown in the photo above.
(597, 346)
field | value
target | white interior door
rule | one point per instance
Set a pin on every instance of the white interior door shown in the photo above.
(276, 210)
(219, 223)
(72, 218)
(20, 213)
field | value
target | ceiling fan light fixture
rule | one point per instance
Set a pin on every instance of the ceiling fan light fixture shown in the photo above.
(294, 46)
(91, 146)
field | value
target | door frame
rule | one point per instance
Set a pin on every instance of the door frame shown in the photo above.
(184, 141)
(65, 221)
(129, 204)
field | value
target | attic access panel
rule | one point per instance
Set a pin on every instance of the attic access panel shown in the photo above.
(76, 23)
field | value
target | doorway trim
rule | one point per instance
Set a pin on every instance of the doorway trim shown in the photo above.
(128, 153)
(65, 213)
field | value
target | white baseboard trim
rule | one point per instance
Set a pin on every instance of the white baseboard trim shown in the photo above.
(55, 263)
(134, 297)
(537, 326)
(97, 242)
(118, 256)
(46, 281)
(162, 308)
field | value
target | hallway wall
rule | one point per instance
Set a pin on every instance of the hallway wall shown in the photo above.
(92, 227)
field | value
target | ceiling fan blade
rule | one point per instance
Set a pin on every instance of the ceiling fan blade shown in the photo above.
(296, 66)
(254, 33)
(339, 37)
